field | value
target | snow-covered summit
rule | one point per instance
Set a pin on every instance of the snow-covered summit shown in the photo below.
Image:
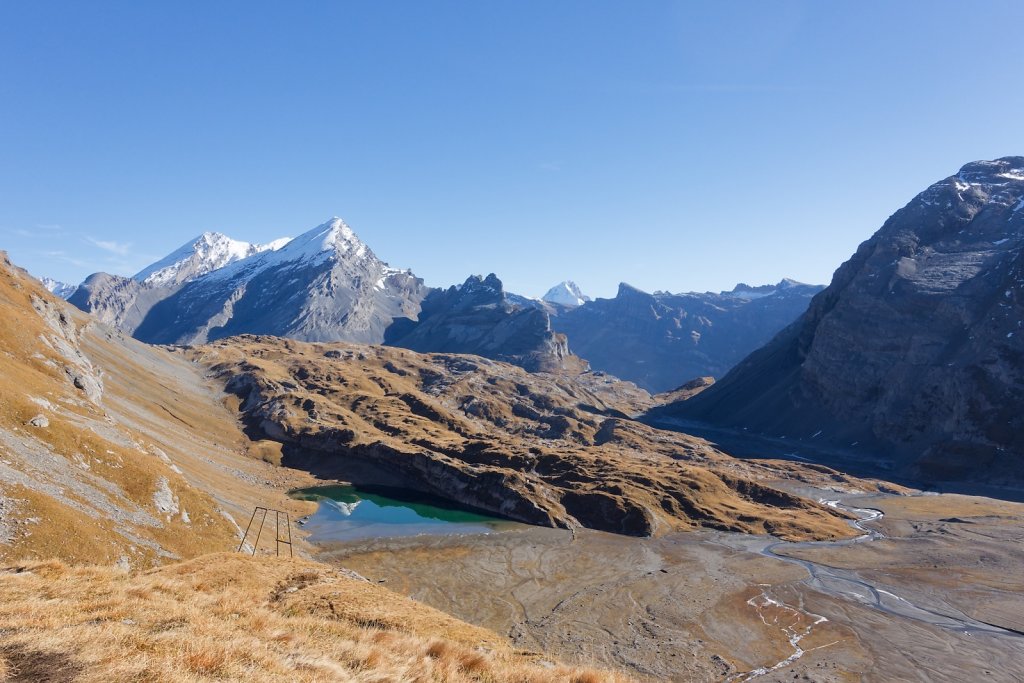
(566, 293)
(333, 238)
(745, 291)
(209, 252)
(61, 289)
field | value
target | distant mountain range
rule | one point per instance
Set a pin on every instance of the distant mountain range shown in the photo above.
(327, 285)
(324, 285)
(915, 348)
(661, 341)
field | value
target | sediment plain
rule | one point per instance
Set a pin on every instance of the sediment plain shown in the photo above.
(931, 592)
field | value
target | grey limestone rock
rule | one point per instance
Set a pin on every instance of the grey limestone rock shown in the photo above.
(917, 345)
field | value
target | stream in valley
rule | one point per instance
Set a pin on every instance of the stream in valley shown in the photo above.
(844, 584)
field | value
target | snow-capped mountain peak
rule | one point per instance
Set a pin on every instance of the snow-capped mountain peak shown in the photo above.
(566, 293)
(61, 289)
(745, 291)
(334, 237)
(206, 253)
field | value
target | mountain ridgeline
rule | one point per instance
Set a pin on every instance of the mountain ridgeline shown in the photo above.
(916, 347)
(479, 318)
(327, 285)
(660, 341)
(323, 285)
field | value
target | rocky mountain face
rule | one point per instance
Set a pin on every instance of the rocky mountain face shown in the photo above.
(478, 317)
(917, 345)
(546, 449)
(324, 284)
(661, 341)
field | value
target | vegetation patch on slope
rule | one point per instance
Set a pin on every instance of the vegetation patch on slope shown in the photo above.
(540, 448)
(229, 616)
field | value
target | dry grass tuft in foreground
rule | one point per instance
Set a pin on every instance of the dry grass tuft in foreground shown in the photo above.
(232, 617)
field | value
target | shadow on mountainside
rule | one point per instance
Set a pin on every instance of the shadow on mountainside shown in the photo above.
(874, 461)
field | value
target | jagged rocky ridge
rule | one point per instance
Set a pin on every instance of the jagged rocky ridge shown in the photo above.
(660, 341)
(540, 448)
(325, 285)
(915, 348)
(479, 318)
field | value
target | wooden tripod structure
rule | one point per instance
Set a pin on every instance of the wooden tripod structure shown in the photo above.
(278, 540)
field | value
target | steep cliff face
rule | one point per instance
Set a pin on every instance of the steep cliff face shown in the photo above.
(120, 302)
(661, 340)
(478, 318)
(918, 343)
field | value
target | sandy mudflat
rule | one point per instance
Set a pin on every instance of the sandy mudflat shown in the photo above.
(697, 607)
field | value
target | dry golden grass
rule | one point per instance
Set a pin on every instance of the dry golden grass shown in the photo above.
(232, 617)
(549, 440)
(82, 488)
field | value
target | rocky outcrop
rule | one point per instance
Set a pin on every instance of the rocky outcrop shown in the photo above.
(661, 340)
(120, 302)
(917, 345)
(478, 318)
(541, 448)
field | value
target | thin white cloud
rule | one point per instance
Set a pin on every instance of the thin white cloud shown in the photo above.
(119, 248)
(63, 256)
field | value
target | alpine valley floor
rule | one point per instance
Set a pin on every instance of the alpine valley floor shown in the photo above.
(931, 592)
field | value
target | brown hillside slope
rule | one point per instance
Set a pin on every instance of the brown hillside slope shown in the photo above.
(538, 448)
(231, 617)
(110, 450)
(115, 452)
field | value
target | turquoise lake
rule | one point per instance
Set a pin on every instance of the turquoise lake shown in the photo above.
(349, 513)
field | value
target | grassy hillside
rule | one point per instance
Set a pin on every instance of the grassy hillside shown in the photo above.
(112, 451)
(232, 617)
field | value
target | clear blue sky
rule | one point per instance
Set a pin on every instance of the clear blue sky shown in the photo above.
(671, 145)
